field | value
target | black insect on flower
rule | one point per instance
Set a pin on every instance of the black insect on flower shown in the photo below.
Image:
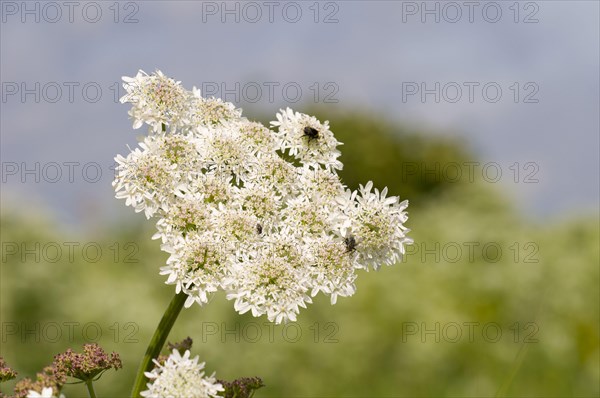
(311, 132)
(259, 229)
(350, 243)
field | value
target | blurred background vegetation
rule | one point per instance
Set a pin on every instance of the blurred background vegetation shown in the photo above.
(447, 321)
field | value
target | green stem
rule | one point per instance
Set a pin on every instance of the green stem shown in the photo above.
(90, 387)
(157, 342)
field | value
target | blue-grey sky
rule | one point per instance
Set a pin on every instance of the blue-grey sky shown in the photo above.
(543, 56)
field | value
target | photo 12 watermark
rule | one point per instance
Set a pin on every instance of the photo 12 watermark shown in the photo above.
(468, 332)
(523, 172)
(268, 332)
(68, 252)
(471, 92)
(53, 172)
(71, 331)
(54, 92)
(252, 12)
(472, 251)
(489, 12)
(273, 91)
(53, 12)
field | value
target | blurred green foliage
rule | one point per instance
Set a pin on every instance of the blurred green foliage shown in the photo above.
(485, 302)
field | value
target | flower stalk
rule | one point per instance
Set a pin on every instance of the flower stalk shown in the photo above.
(90, 388)
(158, 341)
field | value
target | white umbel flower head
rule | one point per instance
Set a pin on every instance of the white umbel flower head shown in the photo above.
(270, 280)
(181, 377)
(332, 268)
(376, 226)
(307, 139)
(47, 392)
(237, 214)
(157, 100)
(150, 174)
(207, 112)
